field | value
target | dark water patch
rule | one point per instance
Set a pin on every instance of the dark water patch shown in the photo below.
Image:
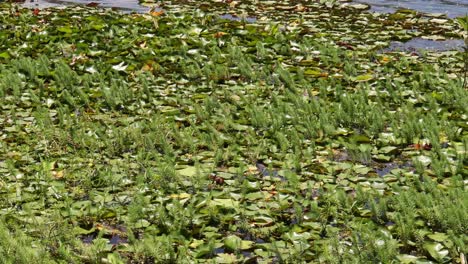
(387, 168)
(88, 239)
(117, 240)
(237, 18)
(217, 251)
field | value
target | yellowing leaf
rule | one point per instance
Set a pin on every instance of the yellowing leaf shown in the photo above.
(58, 174)
(219, 34)
(364, 78)
(313, 72)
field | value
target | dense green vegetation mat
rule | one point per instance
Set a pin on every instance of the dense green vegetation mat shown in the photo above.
(285, 135)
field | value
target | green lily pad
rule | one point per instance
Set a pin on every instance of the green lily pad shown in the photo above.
(225, 203)
(65, 29)
(235, 243)
(188, 171)
(225, 258)
(439, 237)
(407, 259)
(364, 78)
(436, 250)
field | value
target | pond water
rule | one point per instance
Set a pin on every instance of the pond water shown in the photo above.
(124, 5)
(417, 44)
(451, 8)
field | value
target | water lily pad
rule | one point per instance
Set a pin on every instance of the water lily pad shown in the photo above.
(436, 250)
(363, 78)
(235, 243)
(439, 237)
(407, 259)
(226, 258)
(357, 6)
(226, 203)
(188, 171)
(388, 150)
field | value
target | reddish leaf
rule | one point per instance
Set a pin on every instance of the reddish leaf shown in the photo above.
(216, 179)
(92, 4)
(219, 34)
(425, 146)
(345, 44)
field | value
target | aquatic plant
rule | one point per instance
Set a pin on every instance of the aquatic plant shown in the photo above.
(182, 136)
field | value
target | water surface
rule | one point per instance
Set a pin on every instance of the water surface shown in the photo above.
(124, 5)
(451, 8)
(418, 44)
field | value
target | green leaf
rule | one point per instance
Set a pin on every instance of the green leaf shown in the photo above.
(254, 196)
(407, 259)
(203, 250)
(439, 237)
(235, 243)
(226, 203)
(65, 29)
(224, 258)
(358, 6)
(364, 78)
(436, 250)
(314, 72)
(293, 236)
(5, 55)
(81, 231)
(189, 171)
(388, 150)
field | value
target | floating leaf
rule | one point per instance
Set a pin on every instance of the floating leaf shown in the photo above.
(65, 29)
(314, 72)
(364, 78)
(5, 55)
(436, 250)
(357, 6)
(407, 259)
(388, 150)
(439, 237)
(235, 243)
(226, 203)
(189, 171)
(224, 258)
